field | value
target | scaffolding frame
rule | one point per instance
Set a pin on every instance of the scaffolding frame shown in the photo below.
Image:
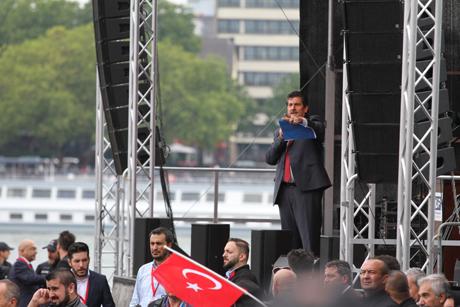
(413, 207)
(109, 196)
(410, 241)
(142, 92)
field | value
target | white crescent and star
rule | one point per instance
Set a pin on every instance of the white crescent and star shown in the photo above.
(194, 286)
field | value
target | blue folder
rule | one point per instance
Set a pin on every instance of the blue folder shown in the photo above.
(296, 132)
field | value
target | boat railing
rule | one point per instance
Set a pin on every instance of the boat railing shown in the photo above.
(216, 172)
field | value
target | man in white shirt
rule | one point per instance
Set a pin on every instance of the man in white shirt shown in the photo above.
(147, 288)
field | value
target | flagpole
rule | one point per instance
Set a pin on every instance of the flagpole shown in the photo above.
(217, 275)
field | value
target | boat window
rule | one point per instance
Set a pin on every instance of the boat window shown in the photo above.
(41, 216)
(252, 198)
(16, 216)
(172, 195)
(89, 218)
(190, 196)
(210, 197)
(66, 194)
(65, 217)
(41, 193)
(88, 194)
(16, 192)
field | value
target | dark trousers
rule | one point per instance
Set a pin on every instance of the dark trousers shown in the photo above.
(301, 212)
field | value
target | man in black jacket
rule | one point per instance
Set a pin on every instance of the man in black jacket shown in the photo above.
(373, 276)
(5, 266)
(48, 266)
(236, 254)
(398, 288)
(300, 175)
(92, 287)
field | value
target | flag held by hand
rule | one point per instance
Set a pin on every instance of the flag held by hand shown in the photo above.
(194, 283)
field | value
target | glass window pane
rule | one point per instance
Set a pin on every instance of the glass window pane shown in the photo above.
(88, 194)
(66, 194)
(41, 193)
(190, 196)
(252, 198)
(16, 192)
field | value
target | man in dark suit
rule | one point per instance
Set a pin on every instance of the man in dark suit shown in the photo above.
(300, 176)
(23, 274)
(92, 287)
(235, 256)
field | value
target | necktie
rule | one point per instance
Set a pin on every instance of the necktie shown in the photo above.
(287, 164)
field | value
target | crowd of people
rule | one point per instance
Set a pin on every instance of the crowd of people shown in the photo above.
(65, 280)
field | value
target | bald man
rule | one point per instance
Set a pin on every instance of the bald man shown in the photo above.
(22, 273)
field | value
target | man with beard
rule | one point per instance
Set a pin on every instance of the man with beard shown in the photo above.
(23, 274)
(147, 288)
(92, 288)
(236, 254)
(46, 267)
(61, 291)
(300, 175)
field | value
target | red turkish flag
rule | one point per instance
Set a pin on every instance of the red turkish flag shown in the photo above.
(194, 283)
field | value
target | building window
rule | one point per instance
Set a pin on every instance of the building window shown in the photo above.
(270, 3)
(252, 198)
(172, 195)
(41, 217)
(16, 216)
(265, 53)
(16, 193)
(88, 194)
(89, 218)
(228, 3)
(190, 196)
(210, 197)
(41, 193)
(228, 26)
(263, 78)
(66, 194)
(65, 217)
(271, 27)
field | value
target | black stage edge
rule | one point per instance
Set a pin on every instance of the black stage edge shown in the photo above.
(267, 246)
(208, 243)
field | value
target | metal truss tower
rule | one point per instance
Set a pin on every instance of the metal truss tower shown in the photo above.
(142, 132)
(109, 198)
(418, 206)
(411, 241)
(352, 234)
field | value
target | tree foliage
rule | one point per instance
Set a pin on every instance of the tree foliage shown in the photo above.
(25, 19)
(201, 104)
(47, 89)
(175, 23)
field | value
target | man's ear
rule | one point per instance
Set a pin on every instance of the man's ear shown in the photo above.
(442, 298)
(72, 288)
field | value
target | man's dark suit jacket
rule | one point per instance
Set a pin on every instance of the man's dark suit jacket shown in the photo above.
(244, 278)
(99, 291)
(27, 280)
(306, 157)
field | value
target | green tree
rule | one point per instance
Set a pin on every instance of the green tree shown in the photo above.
(25, 19)
(201, 104)
(175, 23)
(47, 90)
(275, 107)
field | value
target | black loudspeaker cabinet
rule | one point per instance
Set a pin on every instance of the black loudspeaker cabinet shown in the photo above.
(267, 246)
(142, 228)
(208, 242)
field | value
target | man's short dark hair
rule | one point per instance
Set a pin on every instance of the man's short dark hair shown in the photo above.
(294, 94)
(163, 231)
(397, 280)
(343, 268)
(65, 277)
(301, 261)
(241, 244)
(391, 262)
(77, 247)
(12, 290)
(385, 269)
(66, 238)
